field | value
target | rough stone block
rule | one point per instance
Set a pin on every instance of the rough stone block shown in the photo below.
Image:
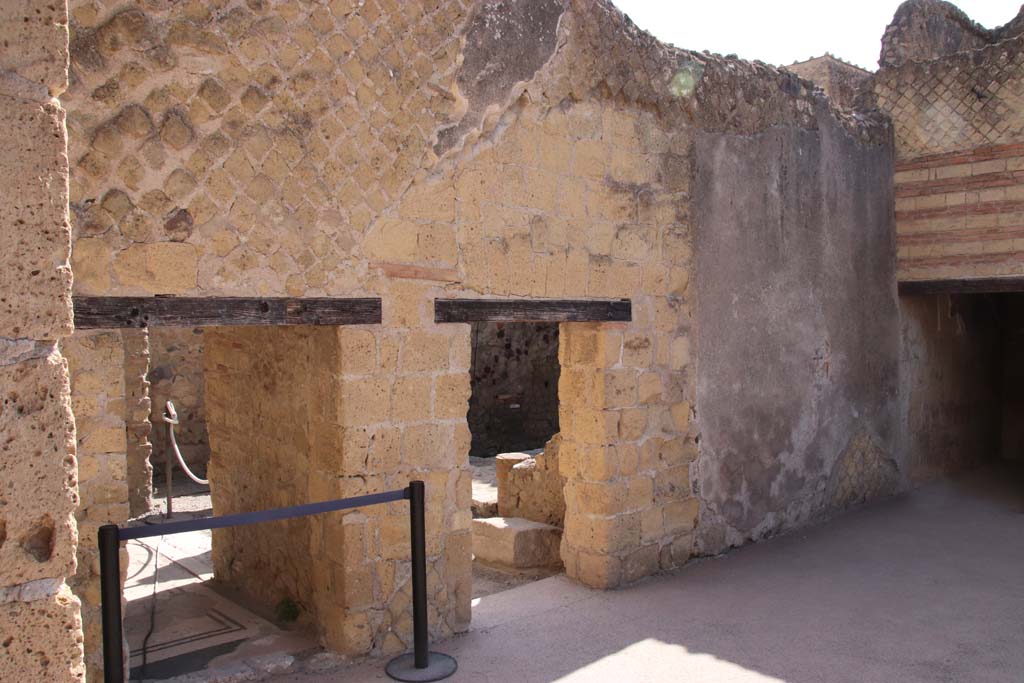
(424, 352)
(160, 268)
(35, 235)
(516, 542)
(503, 464)
(36, 454)
(34, 42)
(42, 640)
(533, 488)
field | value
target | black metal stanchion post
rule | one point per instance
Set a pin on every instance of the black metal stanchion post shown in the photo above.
(418, 534)
(422, 664)
(110, 596)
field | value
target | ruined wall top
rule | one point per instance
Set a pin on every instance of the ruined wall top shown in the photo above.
(923, 30)
(842, 82)
(229, 146)
(708, 91)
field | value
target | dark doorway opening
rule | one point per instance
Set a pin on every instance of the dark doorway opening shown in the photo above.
(514, 401)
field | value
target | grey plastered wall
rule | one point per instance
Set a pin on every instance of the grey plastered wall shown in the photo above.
(797, 327)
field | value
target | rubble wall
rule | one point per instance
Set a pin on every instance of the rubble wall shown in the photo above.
(40, 622)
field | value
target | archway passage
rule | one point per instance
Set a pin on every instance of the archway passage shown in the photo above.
(963, 361)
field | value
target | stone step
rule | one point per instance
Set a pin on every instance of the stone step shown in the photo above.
(516, 543)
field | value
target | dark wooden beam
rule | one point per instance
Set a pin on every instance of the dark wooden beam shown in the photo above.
(988, 285)
(108, 312)
(531, 310)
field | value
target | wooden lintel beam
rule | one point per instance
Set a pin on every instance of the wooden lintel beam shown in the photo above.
(988, 285)
(531, 310)
(109, 312)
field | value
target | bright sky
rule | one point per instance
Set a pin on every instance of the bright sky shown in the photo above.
(785, 31)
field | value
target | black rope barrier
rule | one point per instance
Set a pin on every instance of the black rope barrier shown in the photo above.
(420, 665)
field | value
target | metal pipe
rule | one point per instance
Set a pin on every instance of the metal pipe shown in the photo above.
(110, 600)
(418, 535)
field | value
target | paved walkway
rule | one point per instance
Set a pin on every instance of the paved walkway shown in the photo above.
(925, 587)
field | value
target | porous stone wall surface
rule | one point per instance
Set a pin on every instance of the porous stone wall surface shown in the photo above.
(514, 400)
(532, 486)
(40, 625)
(950, 381)
(841, 81)
(138, 449)
(306, 414)
(798, 329)
(97, 364)
(958, 118)
(538, 149)
(176, 374)
(267, 451)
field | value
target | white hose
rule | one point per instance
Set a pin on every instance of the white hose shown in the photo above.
(171, 418)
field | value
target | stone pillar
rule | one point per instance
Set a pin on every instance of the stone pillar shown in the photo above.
(40, 626)
(625, 455)
(139, 471)
(96, 361)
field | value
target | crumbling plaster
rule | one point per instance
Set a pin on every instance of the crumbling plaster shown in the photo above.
(798, 327)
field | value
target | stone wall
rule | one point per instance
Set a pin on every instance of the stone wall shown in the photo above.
(532, 487)
(267, 448)
(176, 374)
(527, 149)
(138, 449)
(958, 121)
(797, 358)
(308, 414)
(96, 361)
(40, 624)
(514, 402)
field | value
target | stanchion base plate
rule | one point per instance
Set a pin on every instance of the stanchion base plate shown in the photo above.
(439, 666)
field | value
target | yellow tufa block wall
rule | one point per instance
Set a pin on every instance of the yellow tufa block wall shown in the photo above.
(40, 624)
(405, 151)
(959, 132)
(96, 361)
(304, 414)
